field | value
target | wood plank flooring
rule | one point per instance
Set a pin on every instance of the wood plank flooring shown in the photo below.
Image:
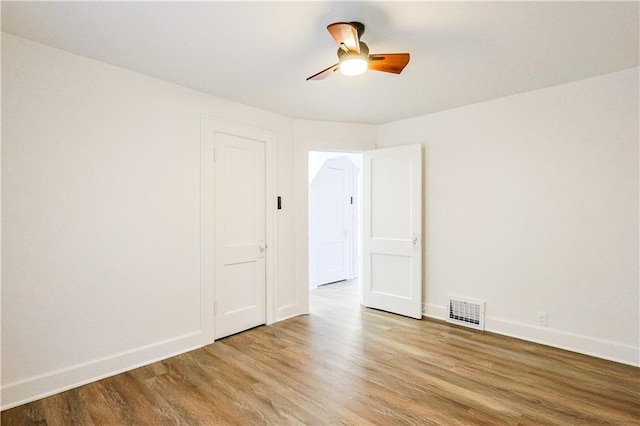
(344, 364)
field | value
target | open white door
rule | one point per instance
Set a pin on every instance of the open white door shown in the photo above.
(392, 257)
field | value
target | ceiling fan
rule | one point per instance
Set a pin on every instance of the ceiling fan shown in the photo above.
(353, 55)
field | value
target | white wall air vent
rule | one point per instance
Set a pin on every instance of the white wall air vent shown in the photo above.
(466, 312)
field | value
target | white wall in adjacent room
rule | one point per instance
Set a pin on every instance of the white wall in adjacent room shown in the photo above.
(532, 205)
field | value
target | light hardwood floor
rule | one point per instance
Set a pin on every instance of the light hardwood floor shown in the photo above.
(344, 364)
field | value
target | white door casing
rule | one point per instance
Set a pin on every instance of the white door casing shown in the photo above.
(247, 144)
(331, 222)
(302, 148)
(392, 246)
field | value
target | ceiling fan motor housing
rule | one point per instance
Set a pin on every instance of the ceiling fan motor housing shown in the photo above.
(364, 50)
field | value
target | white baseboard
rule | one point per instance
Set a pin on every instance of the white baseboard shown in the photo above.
(288, 311)
(18, 393)
(435, 311)
(612, 351)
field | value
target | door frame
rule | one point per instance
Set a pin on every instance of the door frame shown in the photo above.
(351, 245)
(209, 126)
(303, 146)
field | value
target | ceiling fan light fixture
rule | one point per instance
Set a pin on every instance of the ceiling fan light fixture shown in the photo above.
(353, 54)
(352, 64)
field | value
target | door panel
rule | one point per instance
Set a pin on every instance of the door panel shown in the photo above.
(239, 234)
(242, 295)
(392, 257)
(391, 275)
(392, 200)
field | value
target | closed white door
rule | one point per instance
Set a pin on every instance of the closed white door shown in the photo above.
(392, 252)
(331, 220)
(239, 223)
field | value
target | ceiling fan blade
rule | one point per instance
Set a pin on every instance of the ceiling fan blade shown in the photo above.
(388, 62)
(345, 34)
(324, 73)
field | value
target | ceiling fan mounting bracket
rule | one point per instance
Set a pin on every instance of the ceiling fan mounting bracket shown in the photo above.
(359, 27)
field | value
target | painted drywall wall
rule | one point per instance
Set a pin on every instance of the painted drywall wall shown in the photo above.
(0, 239)
(101, 217)
(532, 205)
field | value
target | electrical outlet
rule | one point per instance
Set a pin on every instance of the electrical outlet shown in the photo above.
(542, 319)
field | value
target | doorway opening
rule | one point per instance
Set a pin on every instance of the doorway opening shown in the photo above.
(335, 218)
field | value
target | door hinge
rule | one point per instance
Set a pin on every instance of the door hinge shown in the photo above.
(215, 308)
(351, 200)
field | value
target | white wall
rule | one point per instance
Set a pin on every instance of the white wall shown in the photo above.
(532, 205)
(100, 220)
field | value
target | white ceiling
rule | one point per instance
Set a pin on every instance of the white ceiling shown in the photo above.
(259, 53)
